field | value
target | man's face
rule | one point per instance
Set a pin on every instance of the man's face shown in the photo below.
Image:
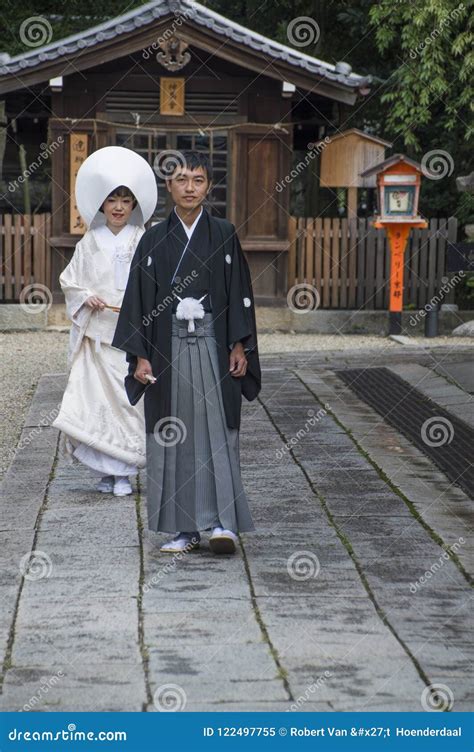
(188, 188)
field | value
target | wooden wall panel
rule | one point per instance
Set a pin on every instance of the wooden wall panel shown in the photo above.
(260, 159)
(262, 176)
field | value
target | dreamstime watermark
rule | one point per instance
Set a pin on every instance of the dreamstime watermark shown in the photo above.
(36, 298)
(167, 34)
(170, 431)
(303, 565)
(437, 164)
(36, 565)
(437, 698)
(437, 431)
(314, 151)
(36, 31)
(303, 31)
(169, 566)
(302, 298)
(167, 161)
(169, 300)
(433, 36)
(45, 685)
(447, 286)
(69, 734)
(302, 432)
(312, 688)
(169, 698)
(436, 566)
(45, 153)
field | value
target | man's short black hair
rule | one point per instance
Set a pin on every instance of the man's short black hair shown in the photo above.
(193, 159)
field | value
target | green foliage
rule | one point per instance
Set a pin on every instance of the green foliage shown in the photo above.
(430, 93)
(430, 43)
(422, 94)
(464, 293)
(65, 18)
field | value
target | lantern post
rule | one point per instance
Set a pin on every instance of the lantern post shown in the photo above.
(398, 190)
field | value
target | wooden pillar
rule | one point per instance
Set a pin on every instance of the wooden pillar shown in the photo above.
(352, 202)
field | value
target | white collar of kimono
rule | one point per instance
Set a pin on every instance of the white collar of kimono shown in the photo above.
(107, 239)
(189, 230)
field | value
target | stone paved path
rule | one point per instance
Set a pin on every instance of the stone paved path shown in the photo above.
(326, 607)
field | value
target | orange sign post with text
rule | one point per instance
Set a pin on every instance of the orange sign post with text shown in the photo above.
(398, 190)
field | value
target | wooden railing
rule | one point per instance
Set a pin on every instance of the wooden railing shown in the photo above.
(25, 257)
(347, 261)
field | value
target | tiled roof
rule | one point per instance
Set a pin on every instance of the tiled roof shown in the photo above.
(196, 13)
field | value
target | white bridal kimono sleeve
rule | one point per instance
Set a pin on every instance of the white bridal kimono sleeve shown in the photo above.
(73, 281)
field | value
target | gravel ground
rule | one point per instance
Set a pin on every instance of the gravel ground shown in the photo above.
(25, 356)
(276, 343)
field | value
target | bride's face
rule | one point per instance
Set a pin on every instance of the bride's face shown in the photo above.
(117, 210)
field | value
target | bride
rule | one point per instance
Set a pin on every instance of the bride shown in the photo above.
(115, 194)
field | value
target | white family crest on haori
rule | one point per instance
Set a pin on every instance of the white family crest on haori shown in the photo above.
(106, 169)
(190, 309)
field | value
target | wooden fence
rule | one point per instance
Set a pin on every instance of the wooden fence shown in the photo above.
(25, 257)
(347, 261)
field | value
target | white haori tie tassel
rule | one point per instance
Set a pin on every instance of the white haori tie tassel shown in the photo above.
(190, 309)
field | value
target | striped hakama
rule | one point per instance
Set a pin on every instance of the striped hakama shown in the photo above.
(193, 464)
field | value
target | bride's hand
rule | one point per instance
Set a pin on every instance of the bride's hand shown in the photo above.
(95, 303)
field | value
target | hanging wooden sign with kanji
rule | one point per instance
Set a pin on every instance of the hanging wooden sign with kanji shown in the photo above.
(78, 152)
(172, 96)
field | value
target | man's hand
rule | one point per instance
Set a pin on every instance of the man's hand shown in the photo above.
(238, 361)
(95, 303)
(142, 370)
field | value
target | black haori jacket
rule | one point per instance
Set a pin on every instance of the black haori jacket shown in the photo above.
(144, 324)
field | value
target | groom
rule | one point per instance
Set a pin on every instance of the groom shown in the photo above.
(188, 321)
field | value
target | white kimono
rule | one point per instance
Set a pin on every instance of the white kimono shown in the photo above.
(101, 429)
